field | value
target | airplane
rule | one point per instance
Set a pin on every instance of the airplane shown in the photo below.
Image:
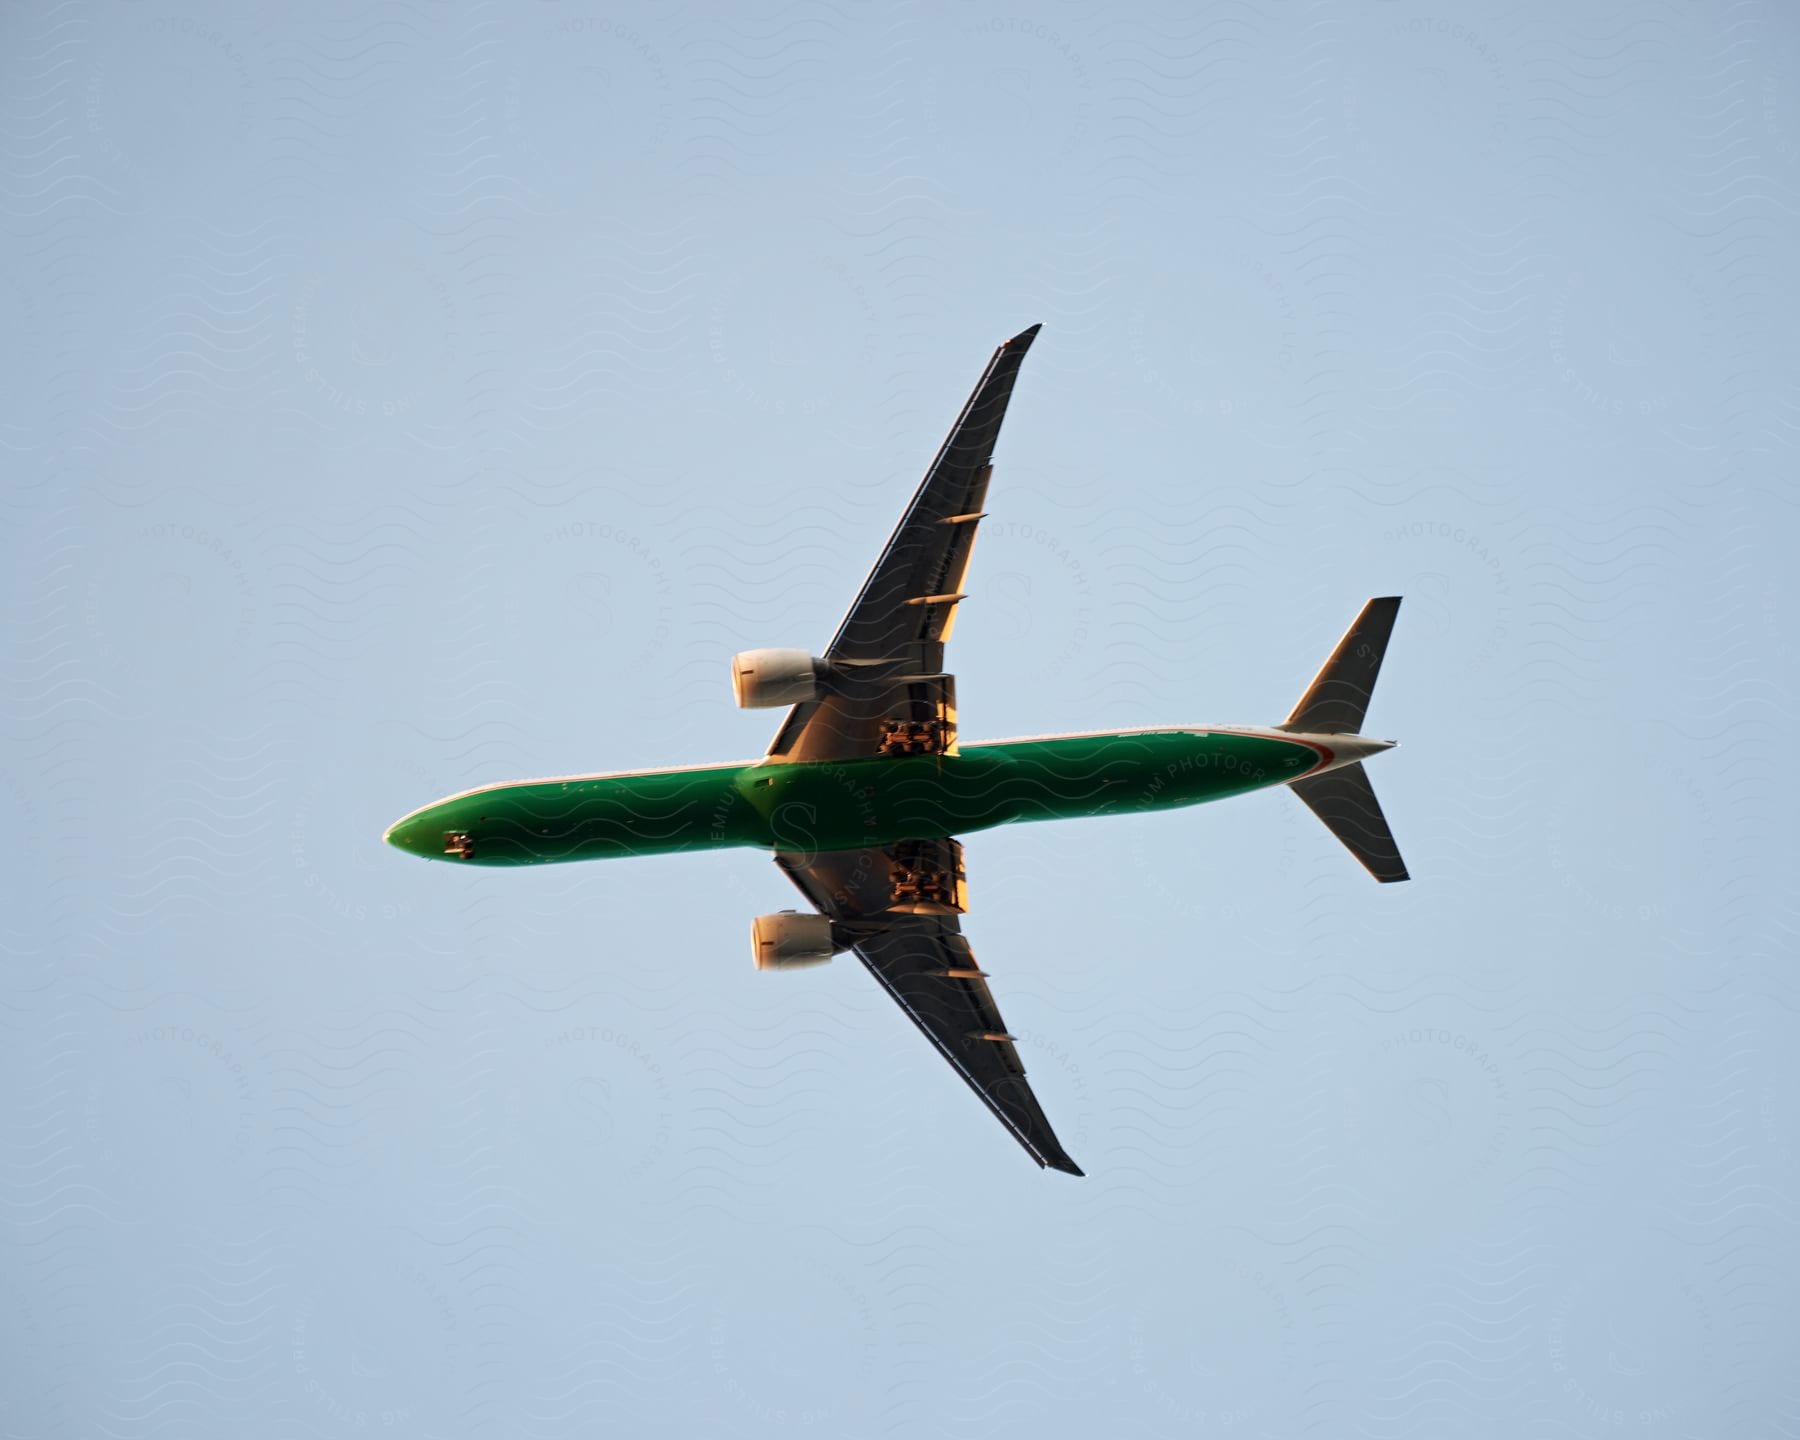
(866, 785)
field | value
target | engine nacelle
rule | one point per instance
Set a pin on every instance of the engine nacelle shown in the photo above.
(789, 940)
(762, 678)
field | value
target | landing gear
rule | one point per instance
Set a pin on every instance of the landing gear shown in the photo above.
(928, 878)
(914, 737)
(460, 844)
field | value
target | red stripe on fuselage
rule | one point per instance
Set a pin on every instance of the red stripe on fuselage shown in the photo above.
(1324, 752)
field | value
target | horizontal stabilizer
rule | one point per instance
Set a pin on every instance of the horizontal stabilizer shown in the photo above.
(1338, 698)
(1345, 801)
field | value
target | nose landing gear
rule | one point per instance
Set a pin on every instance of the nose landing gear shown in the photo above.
(460, 844)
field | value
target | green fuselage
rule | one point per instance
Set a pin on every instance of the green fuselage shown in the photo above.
(850, 804)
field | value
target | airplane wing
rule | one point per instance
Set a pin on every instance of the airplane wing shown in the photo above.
(890, 691)
(918, 953)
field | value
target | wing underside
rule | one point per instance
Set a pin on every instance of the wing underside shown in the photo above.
(888, 654)
(887, 693)
(922, 959)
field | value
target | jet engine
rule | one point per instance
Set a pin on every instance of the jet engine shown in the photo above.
(762, 678)
(788, 940)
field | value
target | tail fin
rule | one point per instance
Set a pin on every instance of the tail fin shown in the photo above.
(1345, 801)
(1338, 698)
(1334, 704)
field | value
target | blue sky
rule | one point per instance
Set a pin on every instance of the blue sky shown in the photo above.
(405, 397)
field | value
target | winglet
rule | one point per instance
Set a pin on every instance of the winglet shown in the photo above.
(1023, 339)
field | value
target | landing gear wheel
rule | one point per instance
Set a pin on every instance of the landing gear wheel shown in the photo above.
(927, 877)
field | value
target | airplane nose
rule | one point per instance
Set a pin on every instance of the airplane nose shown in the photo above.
(432, 834)
(411, 835)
